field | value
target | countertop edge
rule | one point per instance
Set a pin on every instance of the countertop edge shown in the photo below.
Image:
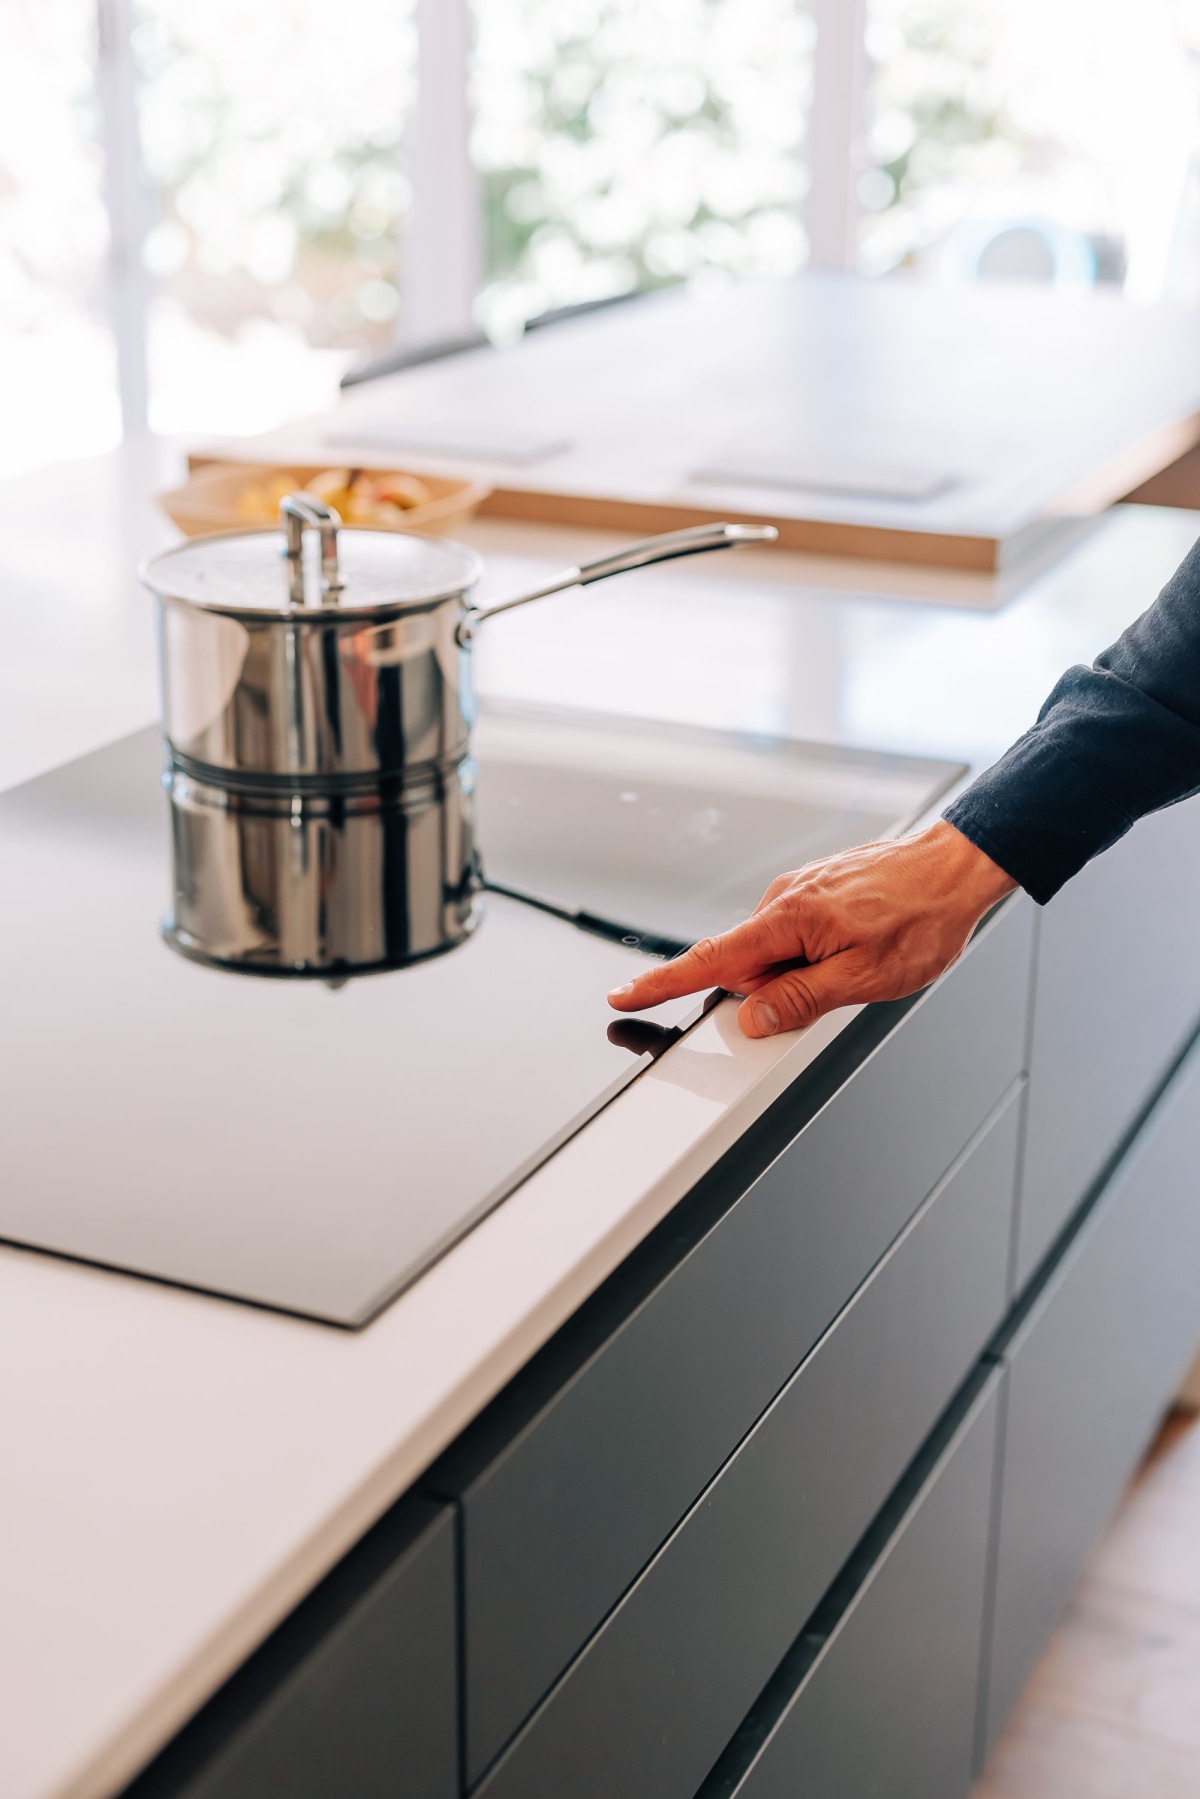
(516, 1334)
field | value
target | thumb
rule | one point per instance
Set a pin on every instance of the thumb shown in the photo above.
(793, 1001)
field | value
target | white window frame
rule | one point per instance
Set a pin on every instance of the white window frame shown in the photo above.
(443, 241)
(125, 199)
(837, 132)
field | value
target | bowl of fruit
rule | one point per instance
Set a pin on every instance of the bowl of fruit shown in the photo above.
(229, 496)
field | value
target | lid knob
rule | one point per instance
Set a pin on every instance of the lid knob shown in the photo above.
(296, 510)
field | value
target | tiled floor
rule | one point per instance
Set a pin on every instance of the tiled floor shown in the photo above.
(1113, 1709)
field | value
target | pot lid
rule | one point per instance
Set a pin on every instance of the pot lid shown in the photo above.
(367, 572)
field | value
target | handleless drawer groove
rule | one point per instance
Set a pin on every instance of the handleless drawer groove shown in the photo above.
(879, 1695)
(1092, 1367)
(648, 1705)
(564, 1499)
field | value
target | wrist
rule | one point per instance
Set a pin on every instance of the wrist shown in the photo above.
(963, 870)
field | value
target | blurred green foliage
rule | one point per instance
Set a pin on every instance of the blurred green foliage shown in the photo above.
(622, 145)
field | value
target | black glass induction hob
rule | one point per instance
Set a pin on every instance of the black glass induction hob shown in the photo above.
(312, 1147)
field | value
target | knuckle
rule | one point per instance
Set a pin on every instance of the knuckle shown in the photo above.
(705, 953)
(796, 1004)
(779, 887)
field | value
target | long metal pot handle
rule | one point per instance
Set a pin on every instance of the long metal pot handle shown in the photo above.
(666, 548)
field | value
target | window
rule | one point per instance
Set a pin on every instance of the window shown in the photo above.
(279, 197)
(1051, 139)
(272, 137)
(57, 359)
(623, 146)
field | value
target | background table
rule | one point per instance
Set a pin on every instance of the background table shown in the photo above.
(971, 428)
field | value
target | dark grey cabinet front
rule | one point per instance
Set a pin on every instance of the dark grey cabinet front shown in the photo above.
(559, 1517)
(647, 1707)
(354, 1697)
(886, 1705)
(1117, 995)
(1091, 1369)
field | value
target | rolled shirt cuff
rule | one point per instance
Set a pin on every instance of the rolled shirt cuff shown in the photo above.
(1038, 815)
(1102, 754)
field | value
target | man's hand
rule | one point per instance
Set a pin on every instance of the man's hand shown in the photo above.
(875, 923)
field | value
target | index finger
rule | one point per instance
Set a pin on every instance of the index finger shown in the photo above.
(735, 957)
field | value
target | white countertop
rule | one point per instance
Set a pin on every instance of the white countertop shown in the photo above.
(177, 1470)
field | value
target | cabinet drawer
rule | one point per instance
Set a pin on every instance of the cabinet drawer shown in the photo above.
(1091, 1369)
(880, 1697)
(561, 1509)
(1112, 1008)
(662, 1686)
(355, 1693)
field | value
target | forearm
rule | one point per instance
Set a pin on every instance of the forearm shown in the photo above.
(1112, 742)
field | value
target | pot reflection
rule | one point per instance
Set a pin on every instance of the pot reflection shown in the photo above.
(321, 883)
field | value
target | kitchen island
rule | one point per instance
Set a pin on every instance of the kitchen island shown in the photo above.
(787, 1394)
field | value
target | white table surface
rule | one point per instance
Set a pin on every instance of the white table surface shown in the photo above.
(176, 1470)
(1015, 406)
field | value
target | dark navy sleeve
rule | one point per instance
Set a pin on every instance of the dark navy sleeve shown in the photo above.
(1111, 743)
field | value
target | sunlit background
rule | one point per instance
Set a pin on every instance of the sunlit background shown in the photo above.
(622, 145)
(230, 188)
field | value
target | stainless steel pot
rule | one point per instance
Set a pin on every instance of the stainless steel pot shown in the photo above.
(317, 712)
